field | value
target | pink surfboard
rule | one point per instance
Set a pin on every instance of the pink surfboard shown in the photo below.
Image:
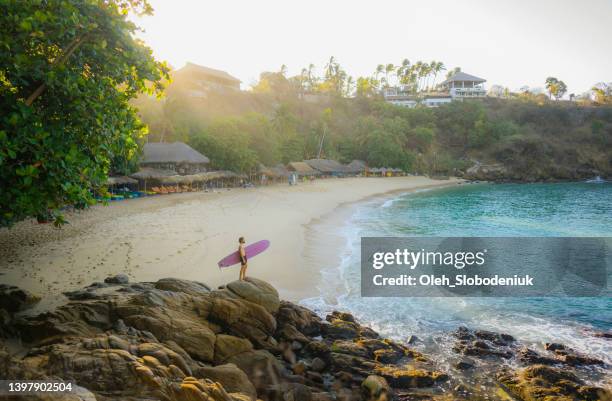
(251, 250)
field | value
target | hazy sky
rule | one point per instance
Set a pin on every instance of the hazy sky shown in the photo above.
(507, 42)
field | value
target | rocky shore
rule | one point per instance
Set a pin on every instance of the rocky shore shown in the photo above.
(177, 340)
(550, 172)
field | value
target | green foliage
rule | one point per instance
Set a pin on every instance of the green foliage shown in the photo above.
(67, 72)
(290, 119)
(227, 145)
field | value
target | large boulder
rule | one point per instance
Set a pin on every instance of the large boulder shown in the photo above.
(233, 378)
(406, 377)
(541, 383)
(185, 286)
(227, 346)
(375, 388)
(14, 299)
(262, 368)
(256, 291)
(243, 319)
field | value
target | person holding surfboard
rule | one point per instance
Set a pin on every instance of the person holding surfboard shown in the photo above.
(243, 253)
(243, 258)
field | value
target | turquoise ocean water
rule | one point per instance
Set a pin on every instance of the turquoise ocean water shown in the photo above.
(496, 210)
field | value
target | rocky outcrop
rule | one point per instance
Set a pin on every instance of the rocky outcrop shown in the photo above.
(541, 382)
(179, 340)
(530, 170)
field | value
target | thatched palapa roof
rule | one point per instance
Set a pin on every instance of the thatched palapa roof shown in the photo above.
(356, 166)
(177, 152)
(146, 173)
(120, 180)
(326, 165)
(277, 171)
(302, 168)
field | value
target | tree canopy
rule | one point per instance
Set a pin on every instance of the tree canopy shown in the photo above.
(67, 72)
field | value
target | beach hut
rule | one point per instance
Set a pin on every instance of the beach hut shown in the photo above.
(114, 181)
(267, 175)
(148, 177)
(178, 157)
(302, 169)
(121, 187)
(356, 167)
(327, 167)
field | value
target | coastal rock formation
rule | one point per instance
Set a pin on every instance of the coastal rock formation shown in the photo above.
(541, 382)
(180, 340)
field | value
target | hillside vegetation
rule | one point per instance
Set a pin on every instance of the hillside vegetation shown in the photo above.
(525, 138)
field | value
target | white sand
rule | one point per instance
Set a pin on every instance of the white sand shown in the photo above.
(184, 235)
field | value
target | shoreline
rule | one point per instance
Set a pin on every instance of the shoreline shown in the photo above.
(184, 235)
(331, 241)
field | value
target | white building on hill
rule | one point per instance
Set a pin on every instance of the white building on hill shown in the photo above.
(462, 85)
(457, 87)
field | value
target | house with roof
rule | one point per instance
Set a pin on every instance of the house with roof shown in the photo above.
(302, 169)
(327, 167)
(198, 80)
(177, 158)
(461, 85)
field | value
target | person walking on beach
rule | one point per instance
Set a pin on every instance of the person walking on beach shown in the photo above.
(243, 258)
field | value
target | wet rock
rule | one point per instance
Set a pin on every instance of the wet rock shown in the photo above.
(495, 338)
(375, 388)
(317, 349)
(347, 317)
(483, 344)
(350, 348)
(539, 382)
(340, 329)
(463, 333)
(575, 359)
(413, 339)
(554, 347)
(317, 364)
(464, 364)
(480, 349)
(571, 357)
(117, 279)
(531, 357)
(407, 377)
(299, 368)
(14, 299)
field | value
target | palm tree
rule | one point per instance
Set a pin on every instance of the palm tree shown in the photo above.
(389, 68)
(330, 67)
(552, 85)
(402, 71)
(438, 67)
(379, 69)
(350, 83)
(419, 73)
(283, 70)
(311, 79)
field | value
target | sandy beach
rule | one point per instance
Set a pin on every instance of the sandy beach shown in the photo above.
(184, 235)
